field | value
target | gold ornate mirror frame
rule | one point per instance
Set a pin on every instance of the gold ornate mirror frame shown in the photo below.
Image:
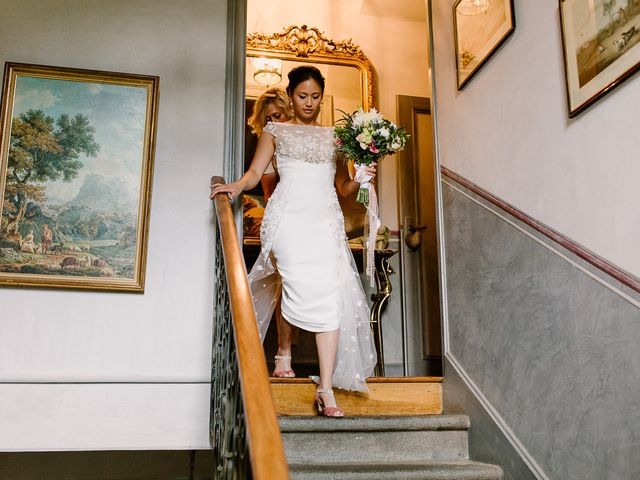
(308, 44)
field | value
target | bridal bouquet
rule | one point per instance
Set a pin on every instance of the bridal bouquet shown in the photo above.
(366, 137)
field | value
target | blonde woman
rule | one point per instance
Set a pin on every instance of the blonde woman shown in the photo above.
(273, 105)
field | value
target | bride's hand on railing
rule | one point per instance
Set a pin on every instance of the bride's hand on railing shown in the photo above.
(231, 189)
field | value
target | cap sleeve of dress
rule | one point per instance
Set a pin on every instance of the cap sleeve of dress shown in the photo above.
(270, 128)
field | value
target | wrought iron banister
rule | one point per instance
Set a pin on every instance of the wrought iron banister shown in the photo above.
(244, 427)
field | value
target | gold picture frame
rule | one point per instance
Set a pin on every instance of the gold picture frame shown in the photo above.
(480, 28)
(76, 166)
(600, 45)
(310, 45)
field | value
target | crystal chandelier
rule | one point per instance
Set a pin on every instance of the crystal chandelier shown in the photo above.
(267, 71)
(473, 7)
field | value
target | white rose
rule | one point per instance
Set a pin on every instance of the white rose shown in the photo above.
(359, 117)
(384, 131)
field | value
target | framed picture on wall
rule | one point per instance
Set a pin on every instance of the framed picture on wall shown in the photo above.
(601, 46)
(76, 166)
(480, 27)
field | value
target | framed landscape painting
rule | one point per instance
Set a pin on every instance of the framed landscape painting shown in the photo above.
(601, 45)
(480, 27)
(76, 166)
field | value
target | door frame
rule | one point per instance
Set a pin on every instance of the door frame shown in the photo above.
(234, 131)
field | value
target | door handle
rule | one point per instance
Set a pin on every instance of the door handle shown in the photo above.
(413, 238)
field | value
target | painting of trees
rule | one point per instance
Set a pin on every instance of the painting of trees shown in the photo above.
(76, 161)
(41, 149)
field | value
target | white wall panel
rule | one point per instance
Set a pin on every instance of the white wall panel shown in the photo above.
(509, 132)
(103, 417)
(164, 334)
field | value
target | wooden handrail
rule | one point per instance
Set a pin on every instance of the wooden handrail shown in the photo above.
(266, 450)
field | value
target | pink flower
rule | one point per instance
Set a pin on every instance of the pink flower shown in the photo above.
(339, 141)
(373, 148)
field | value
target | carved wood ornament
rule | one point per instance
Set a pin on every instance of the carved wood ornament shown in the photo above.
(305, 43)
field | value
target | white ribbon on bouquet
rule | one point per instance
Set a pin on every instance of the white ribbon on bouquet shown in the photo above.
(372, 220)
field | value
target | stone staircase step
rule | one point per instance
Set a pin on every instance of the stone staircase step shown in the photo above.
(420, 438)
(387, 396)
(374, 423)
(441, 470)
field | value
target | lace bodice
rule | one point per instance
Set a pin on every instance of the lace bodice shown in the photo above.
(307, 143)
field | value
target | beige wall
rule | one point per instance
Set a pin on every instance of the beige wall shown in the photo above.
(393, 36)
(508, 131)
(164, 335)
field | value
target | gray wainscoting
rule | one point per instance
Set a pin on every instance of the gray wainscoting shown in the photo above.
(487, 443)
(547, 344)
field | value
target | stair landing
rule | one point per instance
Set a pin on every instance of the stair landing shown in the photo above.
(388, 396)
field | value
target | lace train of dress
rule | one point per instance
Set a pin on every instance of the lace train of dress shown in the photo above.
(306, 257)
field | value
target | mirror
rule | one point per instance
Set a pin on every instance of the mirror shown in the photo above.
(342, 91)
(349, 84)
(348, 71)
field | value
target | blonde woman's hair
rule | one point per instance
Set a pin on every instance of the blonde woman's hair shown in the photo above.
(274, 95)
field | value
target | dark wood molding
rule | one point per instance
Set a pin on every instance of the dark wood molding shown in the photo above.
(610, 269)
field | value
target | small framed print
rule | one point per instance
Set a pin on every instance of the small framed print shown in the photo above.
(480, 28)
(601, 46)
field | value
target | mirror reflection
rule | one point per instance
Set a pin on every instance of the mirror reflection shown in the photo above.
(343, 91)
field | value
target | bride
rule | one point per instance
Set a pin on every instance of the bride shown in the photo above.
(304, 243)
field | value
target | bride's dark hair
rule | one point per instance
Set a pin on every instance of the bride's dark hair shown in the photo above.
(302, 74)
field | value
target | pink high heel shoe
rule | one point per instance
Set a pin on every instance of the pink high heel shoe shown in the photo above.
(286, 373)
(323, 409)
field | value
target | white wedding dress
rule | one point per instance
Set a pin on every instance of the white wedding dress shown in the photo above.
(305, 254)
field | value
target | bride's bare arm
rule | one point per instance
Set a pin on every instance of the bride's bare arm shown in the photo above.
(345, 186)
(264, 154)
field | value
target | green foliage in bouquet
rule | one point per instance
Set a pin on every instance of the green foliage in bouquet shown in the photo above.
(366, 137)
